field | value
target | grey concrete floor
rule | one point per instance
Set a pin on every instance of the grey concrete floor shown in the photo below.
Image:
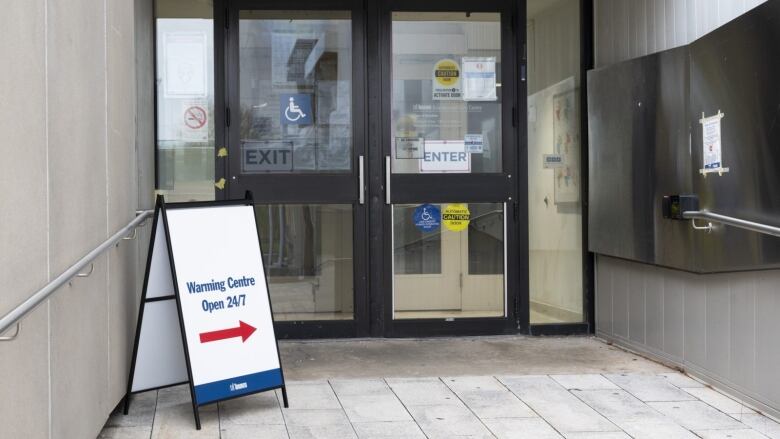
(505, 387)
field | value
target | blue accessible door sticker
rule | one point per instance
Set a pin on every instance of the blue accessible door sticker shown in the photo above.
(427, 217)
(295, 109)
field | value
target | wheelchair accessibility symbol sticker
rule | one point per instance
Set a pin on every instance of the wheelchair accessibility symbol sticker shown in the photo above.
(295, 109)
(427, 217)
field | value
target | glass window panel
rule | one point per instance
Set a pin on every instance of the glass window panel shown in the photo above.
(448, 270)
(554, 204)
(185, 100)
(296, 91)
(307, 251)
(446, 100)
(486, 239)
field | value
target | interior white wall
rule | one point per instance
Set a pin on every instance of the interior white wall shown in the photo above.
(555, 230)
(553, 45)
(71, 173)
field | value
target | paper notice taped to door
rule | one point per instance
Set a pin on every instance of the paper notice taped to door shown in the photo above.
(479, 78)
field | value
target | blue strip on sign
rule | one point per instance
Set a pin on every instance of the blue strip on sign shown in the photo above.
(231, 387)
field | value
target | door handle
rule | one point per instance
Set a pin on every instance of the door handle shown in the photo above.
(361, 181)
(387, 179)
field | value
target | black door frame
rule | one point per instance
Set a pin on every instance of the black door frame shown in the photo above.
(370, 250)
(484, 187)
(296, 188)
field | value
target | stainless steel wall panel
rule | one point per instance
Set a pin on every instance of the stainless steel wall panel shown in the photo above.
(720, 327)
(767, 326)
(646, 142)
(735, 69)
(718, 322)
(673, 318)
(636, 306)
(654, 307)
(637, 118)
(604, 299)
(742, 352)
(695, 330)
(620, 294)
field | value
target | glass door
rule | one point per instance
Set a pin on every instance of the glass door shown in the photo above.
(449, 147)
(295, 128)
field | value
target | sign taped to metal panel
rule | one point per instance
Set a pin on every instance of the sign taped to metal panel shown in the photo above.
(712, 154)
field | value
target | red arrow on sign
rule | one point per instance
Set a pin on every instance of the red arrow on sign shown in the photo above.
(243, 330)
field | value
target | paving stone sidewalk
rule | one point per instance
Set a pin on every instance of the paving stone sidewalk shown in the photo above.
(609, 406)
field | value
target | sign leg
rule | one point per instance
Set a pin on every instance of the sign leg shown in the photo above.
(284, 397)
(197, 415)
(127, 404)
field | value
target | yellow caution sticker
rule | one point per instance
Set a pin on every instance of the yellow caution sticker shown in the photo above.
(220, 184)
(446, 81)
(446, 72)
(222, 152)
(456, 217)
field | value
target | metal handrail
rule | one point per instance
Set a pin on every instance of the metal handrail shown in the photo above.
(24, 308)
(731, 221)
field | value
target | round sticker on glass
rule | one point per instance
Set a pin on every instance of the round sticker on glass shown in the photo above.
(456, 217)
(446, 72)
(427, 217)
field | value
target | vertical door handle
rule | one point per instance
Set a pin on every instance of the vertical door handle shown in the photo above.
(361, 181)
(387, 179)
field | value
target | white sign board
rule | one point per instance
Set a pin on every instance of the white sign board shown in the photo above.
(479, 78)
(159, 359)
(442, 156)
(224, 301)
(205, 315)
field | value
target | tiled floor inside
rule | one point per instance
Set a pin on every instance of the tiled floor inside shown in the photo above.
(610, 406)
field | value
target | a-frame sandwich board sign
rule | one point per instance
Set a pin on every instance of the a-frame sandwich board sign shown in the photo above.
(205, 315)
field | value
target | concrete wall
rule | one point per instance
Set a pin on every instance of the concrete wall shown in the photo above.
(70, 173)
(720, 327)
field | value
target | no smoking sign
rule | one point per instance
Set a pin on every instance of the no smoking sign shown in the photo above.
(195, 117)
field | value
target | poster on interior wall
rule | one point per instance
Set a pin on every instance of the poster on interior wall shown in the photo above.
(479, 78)
(185, 64)
(566, 138)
